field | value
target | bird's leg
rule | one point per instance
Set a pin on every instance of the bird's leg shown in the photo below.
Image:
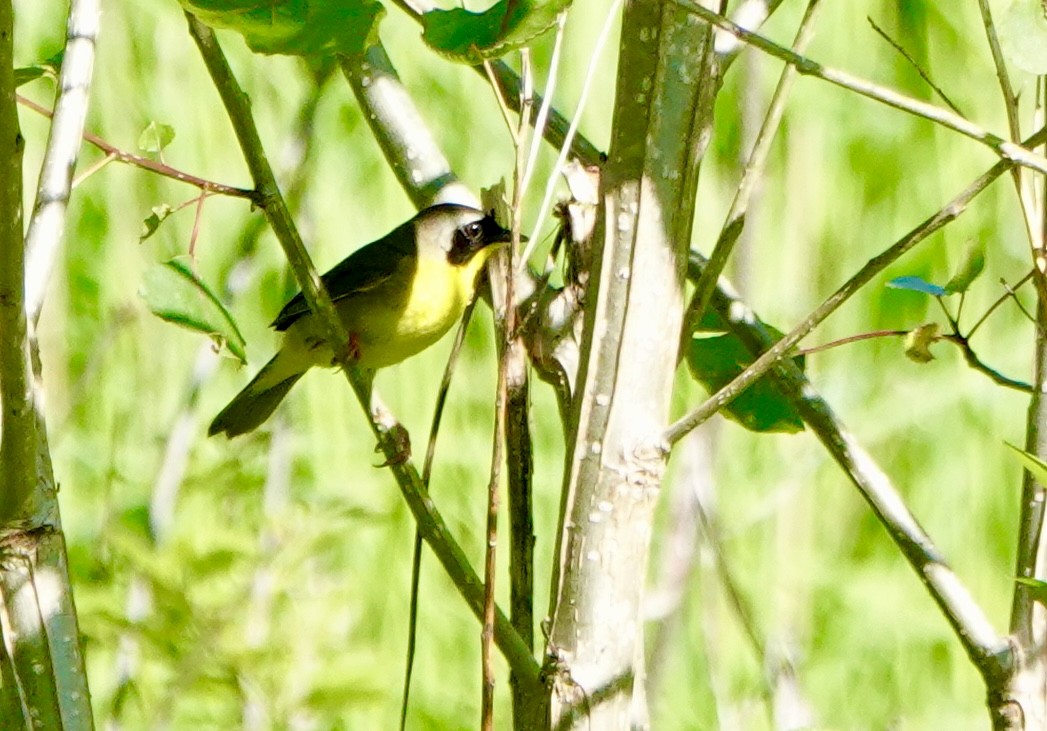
(350, 353)
(353, 347)
(391, 430)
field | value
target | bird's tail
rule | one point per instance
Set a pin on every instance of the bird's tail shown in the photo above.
(256, 402)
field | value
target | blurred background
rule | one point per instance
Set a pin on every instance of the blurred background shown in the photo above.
(264, 582)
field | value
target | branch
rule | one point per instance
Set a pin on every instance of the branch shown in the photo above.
(151, 165)
(990, 653)
(434, 530)
(761, 365)
(18, 439)
(754, 169)
(1008, 151)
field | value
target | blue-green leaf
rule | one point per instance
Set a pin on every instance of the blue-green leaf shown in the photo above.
(917, 284)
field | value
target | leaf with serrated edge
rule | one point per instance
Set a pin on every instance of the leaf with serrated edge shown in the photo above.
(174, 293)
(469, 37)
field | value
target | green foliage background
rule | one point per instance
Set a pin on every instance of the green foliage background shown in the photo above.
(847, 178)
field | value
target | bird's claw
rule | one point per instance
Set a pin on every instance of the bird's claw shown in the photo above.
(401, 441)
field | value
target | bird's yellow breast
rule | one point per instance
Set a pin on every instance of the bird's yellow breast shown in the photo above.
(401, 316)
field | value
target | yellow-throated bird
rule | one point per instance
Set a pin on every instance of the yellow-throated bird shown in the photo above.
(397, 296)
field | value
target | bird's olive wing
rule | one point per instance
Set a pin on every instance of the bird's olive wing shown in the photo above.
(362, 270)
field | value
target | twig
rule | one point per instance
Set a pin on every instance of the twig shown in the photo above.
(152, 165)
(427, 471)
(761, 365)
(546, 104)
(851, 339)
(754, 169)
(1008, 292)
(397, 125)
(18, 439)
(566, 146)
(1007, 150)
(913, 62)
(38, 623)
(979, 365)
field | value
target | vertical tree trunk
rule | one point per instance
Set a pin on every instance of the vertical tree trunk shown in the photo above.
(42, 679)
(633, 317)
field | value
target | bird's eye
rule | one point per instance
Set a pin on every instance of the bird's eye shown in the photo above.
(474, 230)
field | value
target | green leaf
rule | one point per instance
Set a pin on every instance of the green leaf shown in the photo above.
(917, 284)
(155, 137)
(1037, 588)
(152, 222)
(470, 37)
(174, 293)
(50, 67)
(918, 342)
(971, 267)
(295, 27)
(715, 361)
(1023, 36)
(1036, 466)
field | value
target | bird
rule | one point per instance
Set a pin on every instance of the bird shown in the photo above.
(395, 296)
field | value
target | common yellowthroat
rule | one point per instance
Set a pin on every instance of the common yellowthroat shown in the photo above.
(396, 296)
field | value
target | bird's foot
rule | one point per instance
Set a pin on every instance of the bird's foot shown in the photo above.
(350, 353)
(401, 441)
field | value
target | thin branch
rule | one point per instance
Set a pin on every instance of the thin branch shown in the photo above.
(1005, 149)
(152, 165)
(546, 104)
(1008, 293)
(397, 125)
(566, 146)
(982, 367)
(754, 169)
(915, 64)
(427, 471)
(1010, 101)
(47, 223)
(761, 365)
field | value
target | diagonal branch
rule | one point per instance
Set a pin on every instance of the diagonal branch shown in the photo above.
(877, 264)
(1007, 150)
(434, 530)
(990, 653)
